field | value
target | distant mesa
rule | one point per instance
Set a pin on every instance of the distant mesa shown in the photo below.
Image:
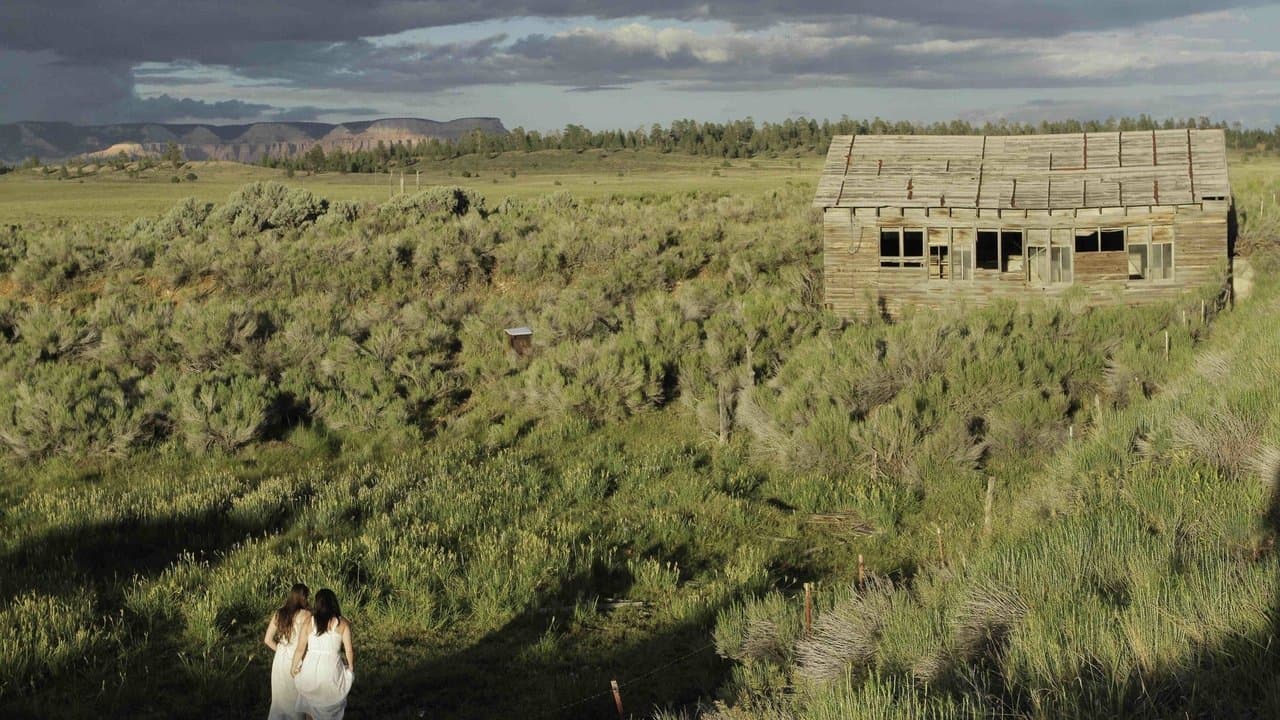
(242, 143)
(131, 149)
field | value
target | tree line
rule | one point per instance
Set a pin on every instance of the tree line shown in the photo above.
(729, 140)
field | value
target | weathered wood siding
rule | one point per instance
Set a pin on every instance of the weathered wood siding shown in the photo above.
(856, 285)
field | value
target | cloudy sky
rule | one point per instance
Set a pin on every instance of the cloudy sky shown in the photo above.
(622, 63)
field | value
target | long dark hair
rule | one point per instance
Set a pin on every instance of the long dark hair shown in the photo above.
(299, 599)
(326, 610)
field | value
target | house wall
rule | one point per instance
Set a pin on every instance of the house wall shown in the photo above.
(857, 286)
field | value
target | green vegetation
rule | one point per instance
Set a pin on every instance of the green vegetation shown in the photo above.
(736, 139)
(103, 192)
(202, 405)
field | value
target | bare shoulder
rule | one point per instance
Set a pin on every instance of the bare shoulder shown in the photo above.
(344, 625)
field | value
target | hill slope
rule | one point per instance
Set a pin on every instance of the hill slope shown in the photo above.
(243, 143)
(199, 408)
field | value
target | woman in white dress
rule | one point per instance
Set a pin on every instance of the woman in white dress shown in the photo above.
(320, 673)
(286, 626)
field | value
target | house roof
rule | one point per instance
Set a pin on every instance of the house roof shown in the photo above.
(1077, 170)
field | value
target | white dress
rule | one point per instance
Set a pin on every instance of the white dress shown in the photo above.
(324, 681)
(284, 693)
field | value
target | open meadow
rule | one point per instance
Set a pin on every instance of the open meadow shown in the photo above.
(108, 194)
(210, 390)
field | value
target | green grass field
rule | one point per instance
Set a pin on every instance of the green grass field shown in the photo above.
(200, 406)
(108, 194)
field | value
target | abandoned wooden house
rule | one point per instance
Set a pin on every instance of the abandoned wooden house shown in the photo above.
(933, 220)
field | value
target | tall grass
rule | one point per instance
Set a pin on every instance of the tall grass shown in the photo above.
(203, 407)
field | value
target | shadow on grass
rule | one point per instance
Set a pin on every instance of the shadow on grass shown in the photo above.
(525, 670)
(98, 557)
(538, 665)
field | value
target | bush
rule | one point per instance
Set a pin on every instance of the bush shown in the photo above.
(183, 219)
(54, 408)
(404, 210)
(269, 205)
(224, 412)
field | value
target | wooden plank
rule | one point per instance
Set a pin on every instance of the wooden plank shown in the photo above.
(1095, 170)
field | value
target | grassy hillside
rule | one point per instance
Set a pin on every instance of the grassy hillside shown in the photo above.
(206, 404)
(1131, 574)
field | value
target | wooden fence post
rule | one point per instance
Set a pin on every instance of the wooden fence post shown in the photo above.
(1166, 345)
(986, 507)
(808, 609)
(942, 558)
(862, 572)
(617, 698)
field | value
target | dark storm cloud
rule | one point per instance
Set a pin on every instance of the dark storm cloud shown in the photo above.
(854, 53)
(40, 86)
(220, 31)
(78, 59)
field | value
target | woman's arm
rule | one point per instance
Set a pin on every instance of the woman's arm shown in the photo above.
(300, 652)
(346, 645)
(270, 638)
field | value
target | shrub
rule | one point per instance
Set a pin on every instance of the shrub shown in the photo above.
(54, 408)
(47, 333)
(54, 261)
(404, 210)
(844, 639)
(261, 206)
(183, 219)
(217, 411)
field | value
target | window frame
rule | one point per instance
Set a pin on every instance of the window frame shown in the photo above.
(963, 253)
(943, 245)
(977, 236)
(1064, 248)
(1034, 240)
(901, 261)
(1003, 259)
(1167, 249)
(1124, 238)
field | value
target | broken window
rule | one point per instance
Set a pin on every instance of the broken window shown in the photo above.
(939, 262)
(939, 240)
(1059, 264)
(1150, 252)
(1139, 244)
(987, 253)
(1162, 252)
(1038, 256)
(1011, 250)
(901, 248)
(1086, 240)
(1161, 261)
(1060, 255)
(1112, 241)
